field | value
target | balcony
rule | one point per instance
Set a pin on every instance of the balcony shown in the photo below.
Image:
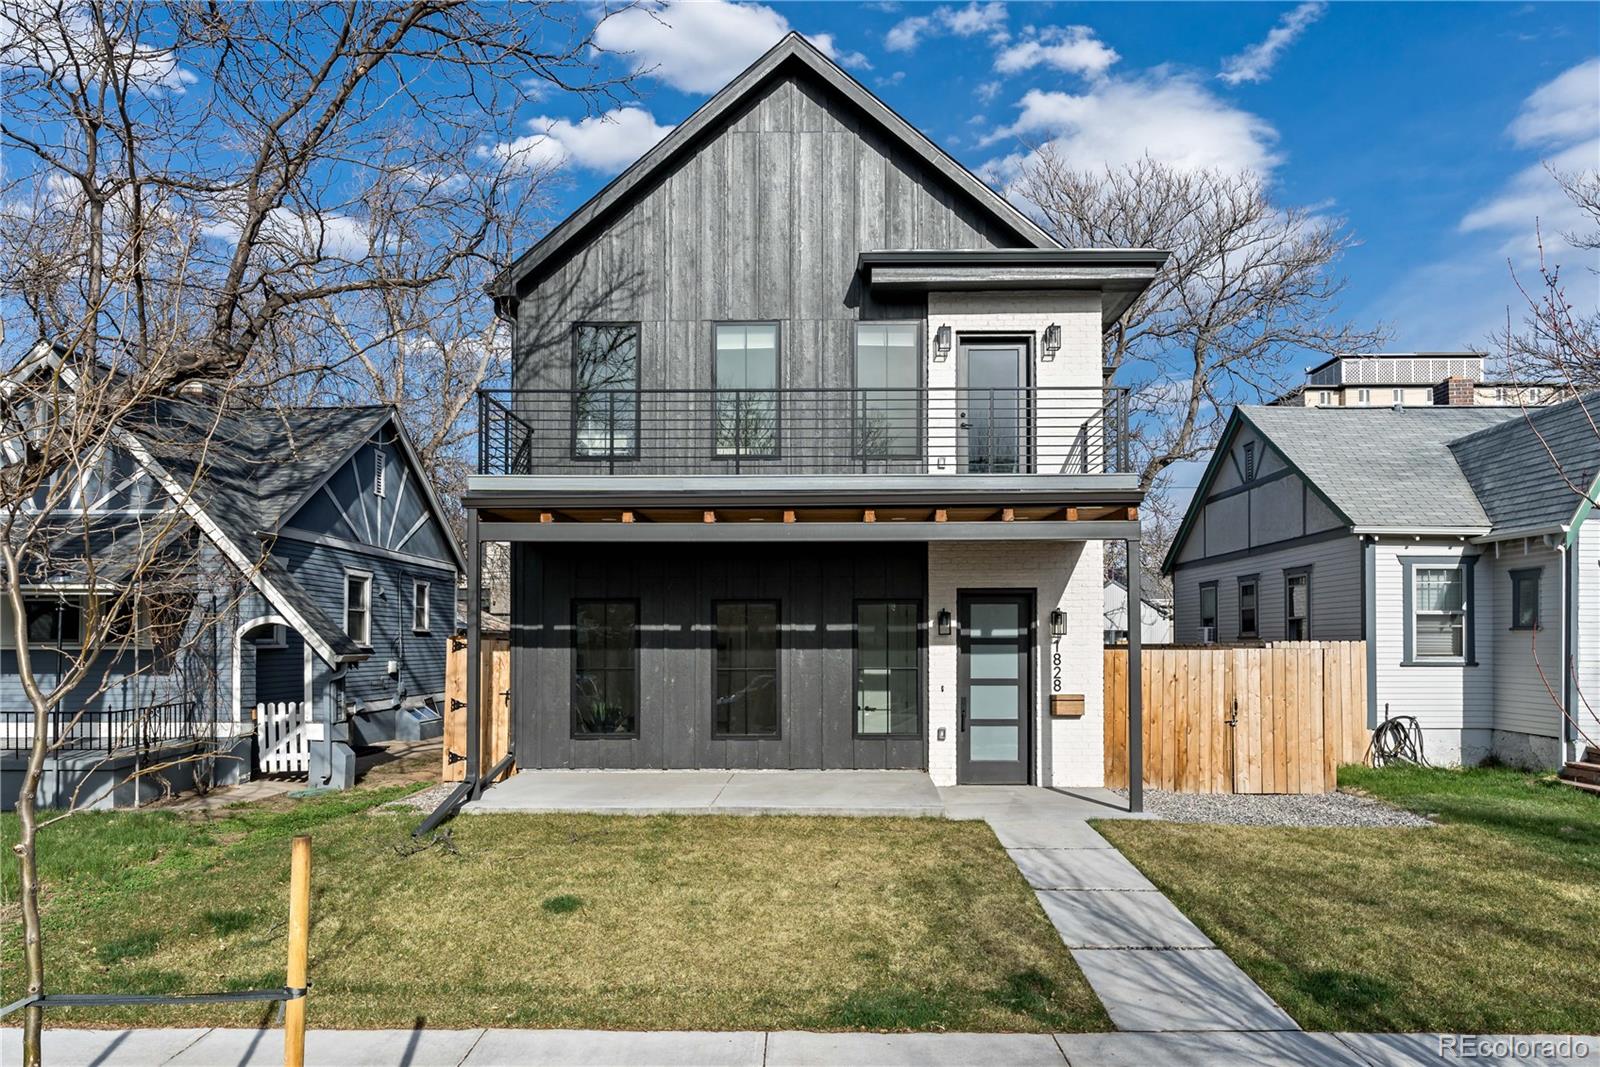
(940, 431)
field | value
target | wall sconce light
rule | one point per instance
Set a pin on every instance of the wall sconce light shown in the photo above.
(944, 622)
(1058, 623)
(1052, 341)
(941, 342)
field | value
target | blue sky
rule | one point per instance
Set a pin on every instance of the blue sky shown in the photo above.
(1424, 125)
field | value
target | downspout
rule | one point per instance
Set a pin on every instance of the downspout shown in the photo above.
(1569, 632)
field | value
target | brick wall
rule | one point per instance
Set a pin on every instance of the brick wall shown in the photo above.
(1067, 752)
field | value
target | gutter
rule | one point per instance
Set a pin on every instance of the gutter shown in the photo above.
(1463, 532)
(1517, 533)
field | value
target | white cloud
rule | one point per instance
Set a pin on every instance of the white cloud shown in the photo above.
(1255, 63)
(1563, 110)
(603, 143)
(45, 39)
(970, 21)
(987, 92)
(1171, 118)
(699, 46)
(1073, 49)
(302, 234)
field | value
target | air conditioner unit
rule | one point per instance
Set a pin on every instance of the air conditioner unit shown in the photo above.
(1208, 635)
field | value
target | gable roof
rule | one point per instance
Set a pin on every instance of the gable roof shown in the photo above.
(793, 53)
(1539, 470)
(1474, 471)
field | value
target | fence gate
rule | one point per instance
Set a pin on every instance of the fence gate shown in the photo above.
(282, 738)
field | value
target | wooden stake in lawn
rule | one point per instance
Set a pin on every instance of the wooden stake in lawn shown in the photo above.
(294, 1011)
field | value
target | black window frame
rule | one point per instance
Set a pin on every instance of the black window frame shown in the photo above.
(60, 608)
(777, 669)
(1518, 591)
(919, 445)
(578, 454)
(855, 669)
(1289, 574)
(1254, 582)
(638, 709)
(1216, 606)
(740, 455)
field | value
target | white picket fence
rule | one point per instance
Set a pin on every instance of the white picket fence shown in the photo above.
(283, 739)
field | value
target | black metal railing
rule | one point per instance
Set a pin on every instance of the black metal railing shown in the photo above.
(107, 731)
(1039, 430)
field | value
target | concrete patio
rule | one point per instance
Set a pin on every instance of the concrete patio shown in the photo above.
(843, 793)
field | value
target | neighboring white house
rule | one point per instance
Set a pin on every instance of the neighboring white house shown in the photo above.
(1414, 379)
(1156, 613)
(1453, 540)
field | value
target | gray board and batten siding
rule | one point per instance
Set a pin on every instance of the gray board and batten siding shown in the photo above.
(761, 219)
(817, 588)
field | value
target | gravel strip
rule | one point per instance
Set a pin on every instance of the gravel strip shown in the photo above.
(424, 801)
(1274, 809)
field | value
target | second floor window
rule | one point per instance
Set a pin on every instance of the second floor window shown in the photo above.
(888, 376)
(1208, 611)
(745, 409)
(1248, 624)
(605, 381)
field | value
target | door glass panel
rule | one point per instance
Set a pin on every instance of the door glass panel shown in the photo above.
(994, 743)
(888, 374)
(994, 701)
(996, 661)
(994, 620)
(995, 403)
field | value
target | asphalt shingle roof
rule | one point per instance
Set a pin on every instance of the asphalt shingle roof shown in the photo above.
(1535, 471)
(1384, 467)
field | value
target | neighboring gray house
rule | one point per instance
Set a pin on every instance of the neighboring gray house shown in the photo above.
(1453, 540)
(809, 460)
(323, 575)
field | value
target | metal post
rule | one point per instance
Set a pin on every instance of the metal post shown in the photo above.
(474, 624)
(1135, 681)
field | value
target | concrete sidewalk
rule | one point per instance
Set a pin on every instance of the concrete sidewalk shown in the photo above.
(580, 1048)
(844, 793)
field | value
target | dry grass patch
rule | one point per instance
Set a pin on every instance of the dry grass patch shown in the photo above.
(581, 921)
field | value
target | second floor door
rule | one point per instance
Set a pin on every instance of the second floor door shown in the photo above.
(995, 407)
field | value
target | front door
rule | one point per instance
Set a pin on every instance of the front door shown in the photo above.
(994, 694)
(995, 407)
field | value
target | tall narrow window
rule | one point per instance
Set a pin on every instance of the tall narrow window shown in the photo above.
(1363, 396)
(1525, 599)
(358, 607)
(745, 414)
(1439, 606)
(1248, 624)
(1297, 605)
(605, 668)
(419, 607)
(746, 667)
(378, 461)
(1208, 611)
(605, 391)
(888, 419)
(888, 668)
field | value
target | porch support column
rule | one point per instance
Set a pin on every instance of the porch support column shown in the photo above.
(1135, 680)
(474, 665)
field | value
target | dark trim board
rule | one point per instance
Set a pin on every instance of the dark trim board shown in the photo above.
(1267, 546)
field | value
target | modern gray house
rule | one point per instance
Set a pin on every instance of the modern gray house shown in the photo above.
(311, 569)
(808, 458)
(1459, 542)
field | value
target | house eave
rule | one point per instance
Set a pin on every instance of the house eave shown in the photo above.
(1463, 533)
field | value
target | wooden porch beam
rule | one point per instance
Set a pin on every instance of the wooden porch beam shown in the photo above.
(708, 516)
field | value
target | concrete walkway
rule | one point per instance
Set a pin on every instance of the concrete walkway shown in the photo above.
(579, 1048)
(852, 793)
(1150, 966)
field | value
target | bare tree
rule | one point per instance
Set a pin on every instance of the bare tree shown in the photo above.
(190, 191)
(1250, 289)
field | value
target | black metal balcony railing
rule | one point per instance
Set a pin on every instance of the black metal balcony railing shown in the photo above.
(109, 730)
(1040, 430)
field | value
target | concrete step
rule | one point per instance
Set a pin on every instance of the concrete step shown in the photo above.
(1582, 772)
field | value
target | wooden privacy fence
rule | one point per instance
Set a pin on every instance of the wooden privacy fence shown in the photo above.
(1273, 719)
(494, 702)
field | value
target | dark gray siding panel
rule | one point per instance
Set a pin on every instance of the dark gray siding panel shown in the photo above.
(816, 587)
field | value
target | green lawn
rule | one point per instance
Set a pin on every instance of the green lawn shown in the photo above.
(1490, 922)
(557, 921)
